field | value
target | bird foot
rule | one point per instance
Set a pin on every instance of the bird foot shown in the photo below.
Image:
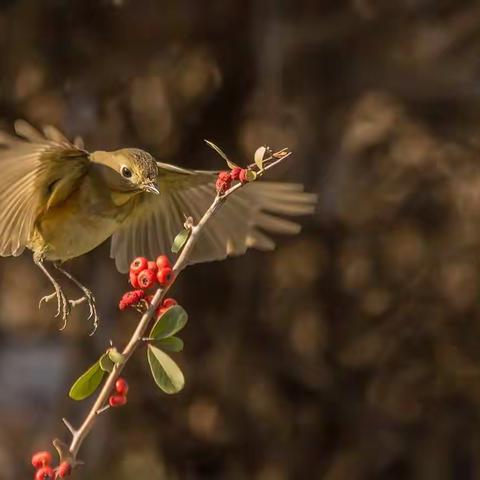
(90, 299)
(63, 305)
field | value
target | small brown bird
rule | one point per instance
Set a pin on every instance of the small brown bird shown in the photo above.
(60, 201)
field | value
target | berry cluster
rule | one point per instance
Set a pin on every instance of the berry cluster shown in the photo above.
(41, 462)
(144, 273)
(120, 397)
(225, 179)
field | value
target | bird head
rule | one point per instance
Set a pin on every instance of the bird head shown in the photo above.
(129, 169)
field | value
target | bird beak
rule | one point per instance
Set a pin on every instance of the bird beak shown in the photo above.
(151, 187)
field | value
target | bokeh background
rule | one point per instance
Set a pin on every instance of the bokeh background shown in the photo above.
(352, 351)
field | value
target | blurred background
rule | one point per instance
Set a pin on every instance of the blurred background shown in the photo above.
(350, 352)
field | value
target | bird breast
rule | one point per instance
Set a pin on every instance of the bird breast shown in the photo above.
(84, 220)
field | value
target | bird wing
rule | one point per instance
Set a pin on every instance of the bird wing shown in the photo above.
(36, 173)
(242, 222)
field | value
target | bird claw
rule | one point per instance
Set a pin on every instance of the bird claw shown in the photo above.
(90, 299)
(63, 306)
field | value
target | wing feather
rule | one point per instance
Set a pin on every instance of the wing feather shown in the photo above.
(54, 135)
(29, 167)
(242, 223)
(27, 131)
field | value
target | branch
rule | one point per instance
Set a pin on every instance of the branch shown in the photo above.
(69, 452)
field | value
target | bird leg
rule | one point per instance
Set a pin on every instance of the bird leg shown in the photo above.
(63, 305)
(87, 297)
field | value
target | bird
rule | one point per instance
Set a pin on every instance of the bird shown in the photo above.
(61, 201)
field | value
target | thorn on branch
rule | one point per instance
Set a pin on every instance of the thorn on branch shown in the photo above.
(64, 453)
(103, 409)
(69, 426)
(148, 340)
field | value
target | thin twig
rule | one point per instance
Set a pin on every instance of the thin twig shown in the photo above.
(69, 426)
(138, 336)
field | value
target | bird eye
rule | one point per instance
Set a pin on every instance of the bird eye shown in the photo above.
(126, 172)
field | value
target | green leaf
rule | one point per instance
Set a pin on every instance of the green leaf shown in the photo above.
(106, 363)
(180, 240)
(231, 164)
(115, 356)
(165, 371)
(170, 344)
(251, 175)
(217, 149)
(87, 383)
(258, 157)
(169, 323)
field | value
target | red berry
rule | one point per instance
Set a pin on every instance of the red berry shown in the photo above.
(160, 310)
(133, 280)
(169, 302)
(164, 276)
(224, 180)
(146, 279)
(130, 298)
(153, 267)
(224, 176)
(63, 470)
(121, 386)
(44, 473)
(222, 186)
(242, 176)
(41, 459)
(162, 262)
(235, 173)
(149, 299)
(139, 264)
(117, 400)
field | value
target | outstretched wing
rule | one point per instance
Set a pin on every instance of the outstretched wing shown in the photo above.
(35, 173)
(244, 220)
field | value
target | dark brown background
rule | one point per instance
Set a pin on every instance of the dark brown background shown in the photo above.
(352, 351)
